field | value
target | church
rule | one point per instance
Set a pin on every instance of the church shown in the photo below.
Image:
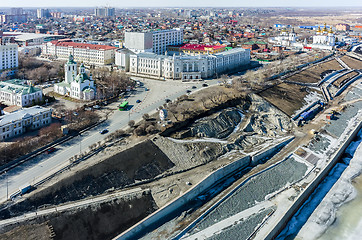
(78, 86)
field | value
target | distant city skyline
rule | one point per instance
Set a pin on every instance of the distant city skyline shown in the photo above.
(184, 3)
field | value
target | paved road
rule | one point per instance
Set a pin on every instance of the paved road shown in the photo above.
(44, 165)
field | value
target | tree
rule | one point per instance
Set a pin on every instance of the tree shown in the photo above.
(146, 117)
(131, 123)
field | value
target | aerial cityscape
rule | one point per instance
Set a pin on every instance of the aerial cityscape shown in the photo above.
(181, 120)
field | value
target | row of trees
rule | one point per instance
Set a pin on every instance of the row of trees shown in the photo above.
(110, 83)
(25, 145)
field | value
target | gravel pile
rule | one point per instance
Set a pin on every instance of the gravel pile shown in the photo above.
(319, 144)
(338, 126)
(353, 94)
(255, 190)
(243, 229)
(186, 155)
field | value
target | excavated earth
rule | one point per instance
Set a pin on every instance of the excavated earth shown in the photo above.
(233, 130)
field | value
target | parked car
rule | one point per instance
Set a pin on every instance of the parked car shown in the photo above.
(188, 91)
(104, 131)
(96, 107)
(167, 100)
(193, 87)
(138, 101)
(50, 150)
(205, 85)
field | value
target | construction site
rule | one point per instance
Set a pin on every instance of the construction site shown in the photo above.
(238, 172)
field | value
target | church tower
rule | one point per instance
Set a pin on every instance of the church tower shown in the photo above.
(70, 69)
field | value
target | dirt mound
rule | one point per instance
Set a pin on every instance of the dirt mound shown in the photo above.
(141, 162)
(220, 126)
(100, 221)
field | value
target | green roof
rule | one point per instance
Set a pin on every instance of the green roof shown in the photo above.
(255, 42)
(17, 86)
(71, 59)
(81, 77)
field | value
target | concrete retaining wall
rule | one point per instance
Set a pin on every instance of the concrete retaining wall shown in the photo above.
(260, 157)
(350, 135)
(165, 211)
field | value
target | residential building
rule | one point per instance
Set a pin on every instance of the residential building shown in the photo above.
(343, 27)
(42, 13)
(104, 12)
(284, 39)
(18, 122)
(78, 86)
(17, 92)
(155, 41)
(187, 67)
(8, 56)
(92, 54)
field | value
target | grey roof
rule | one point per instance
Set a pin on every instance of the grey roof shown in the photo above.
(21, 114)
(231, 51)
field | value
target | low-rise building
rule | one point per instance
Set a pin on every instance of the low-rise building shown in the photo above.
(92, 54)
(17, 92)
(187, 67)
(16, 123)
(343, 27)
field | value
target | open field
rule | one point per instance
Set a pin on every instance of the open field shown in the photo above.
(287, 97)
(352, 62)
(313, 74)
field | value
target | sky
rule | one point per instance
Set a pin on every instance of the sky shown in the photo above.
(182, 3)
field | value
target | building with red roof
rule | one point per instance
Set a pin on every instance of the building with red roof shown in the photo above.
(83, 52)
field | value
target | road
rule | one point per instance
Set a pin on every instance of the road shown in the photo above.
(44, 165)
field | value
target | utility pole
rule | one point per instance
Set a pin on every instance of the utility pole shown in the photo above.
(7, 186)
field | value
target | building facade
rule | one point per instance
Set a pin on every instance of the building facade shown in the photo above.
(104, 12)
(78, 86)
(8, 57)
(92, 54)
(16, 92)
(155, 41)
(18, 122)
(187, 67)
(195, 49)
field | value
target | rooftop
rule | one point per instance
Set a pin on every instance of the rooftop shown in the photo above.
(82, 45)
(200, 47)
(20, 114)
(17, 86)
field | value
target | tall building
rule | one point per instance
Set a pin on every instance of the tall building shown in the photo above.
(16, 11)
(16, 15)
(82, 52)
(155, 41)
(42, 13)
(104, 12)
(79, 86)
(8, 56)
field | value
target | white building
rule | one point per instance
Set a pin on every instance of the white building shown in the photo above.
(284, 39)
(8, 58)
(16, 123)
(324, 39)
(82, 52)
(16, 92)
(187, 67)
(155, 41)
(78, 86)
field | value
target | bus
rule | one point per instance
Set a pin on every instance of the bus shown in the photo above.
(123, 106)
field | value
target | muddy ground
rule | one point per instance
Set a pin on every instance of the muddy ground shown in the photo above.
(99, 221)
(288, 97)
(314, 74)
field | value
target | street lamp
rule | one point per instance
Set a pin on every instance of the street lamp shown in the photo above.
(7, 186)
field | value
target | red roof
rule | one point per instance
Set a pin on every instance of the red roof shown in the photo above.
(199, 47)
(82, 45)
